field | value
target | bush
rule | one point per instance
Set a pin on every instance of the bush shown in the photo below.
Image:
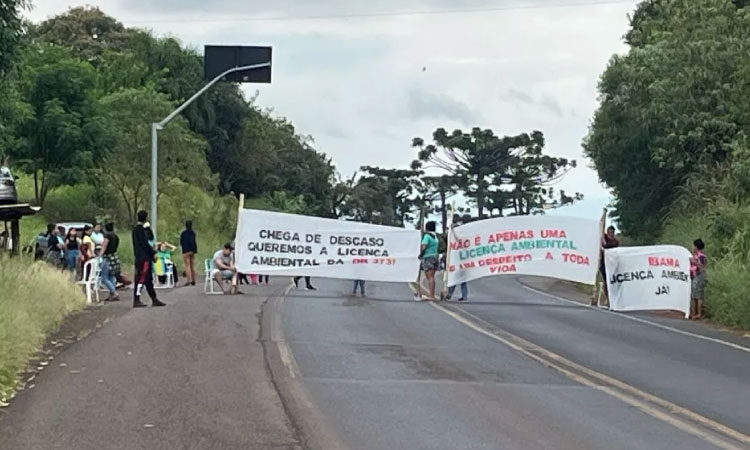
(35, 300)
(727, 301)
(725, 228)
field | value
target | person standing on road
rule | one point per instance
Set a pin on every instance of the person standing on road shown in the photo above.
(361, 285)
(609, 240)
(464, 286)
(429, 255)
(111, 269)
(699, 279)
(144, 254)
(308, 284)
(108, 271)
(189, 246)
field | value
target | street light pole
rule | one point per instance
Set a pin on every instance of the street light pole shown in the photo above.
(155, 127)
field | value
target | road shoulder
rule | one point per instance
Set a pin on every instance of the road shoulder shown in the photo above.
(191, 375)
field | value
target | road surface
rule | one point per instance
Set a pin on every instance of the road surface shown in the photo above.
(512, 369)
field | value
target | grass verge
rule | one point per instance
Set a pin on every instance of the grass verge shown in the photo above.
(35, 299)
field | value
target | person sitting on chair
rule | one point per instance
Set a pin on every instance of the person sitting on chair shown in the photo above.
(226, 270)
(164, 262)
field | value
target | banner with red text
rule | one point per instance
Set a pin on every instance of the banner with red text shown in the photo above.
(271, 243)
(547, 246)
(655, 277)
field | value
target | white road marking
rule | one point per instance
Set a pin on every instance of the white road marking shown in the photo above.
(639, 320)
(615, 388)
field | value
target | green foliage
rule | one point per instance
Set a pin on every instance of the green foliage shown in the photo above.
(11, 32)
(130, 113)
(64, 134)
(673, 109)
(284, 202)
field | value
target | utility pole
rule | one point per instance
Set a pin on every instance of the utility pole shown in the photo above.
(155, 127)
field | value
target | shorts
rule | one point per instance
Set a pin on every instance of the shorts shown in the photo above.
(430, 263)
(699, 285)
(226, 274)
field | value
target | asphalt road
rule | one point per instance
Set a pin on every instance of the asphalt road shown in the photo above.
(511, 369)
(387, 372)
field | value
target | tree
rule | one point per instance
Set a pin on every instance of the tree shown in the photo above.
(483, 162)
(87, 32)
(64, 134)
(396, 187)
(11, 33)
(130, 113)
(341, 191)
(673, 111)
(437, 189)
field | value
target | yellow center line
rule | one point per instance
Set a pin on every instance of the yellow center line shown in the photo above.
(615, 388)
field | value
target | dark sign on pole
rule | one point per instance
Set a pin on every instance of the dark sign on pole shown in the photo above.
(220, 58)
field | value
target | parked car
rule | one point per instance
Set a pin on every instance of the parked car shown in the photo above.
(40, 248)
(8, 193)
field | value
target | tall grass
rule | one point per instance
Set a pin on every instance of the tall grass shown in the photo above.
(725, 228)
(34, 299)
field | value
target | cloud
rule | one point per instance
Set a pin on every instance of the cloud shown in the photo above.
(545, 102)
(425, 105)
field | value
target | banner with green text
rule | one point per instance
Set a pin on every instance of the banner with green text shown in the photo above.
(548, 246)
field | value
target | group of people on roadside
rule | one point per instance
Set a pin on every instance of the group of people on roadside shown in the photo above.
(72, 249)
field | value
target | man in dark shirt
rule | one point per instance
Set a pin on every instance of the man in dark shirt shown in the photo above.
(609, 240)
(53, 246)
(189, 249)
(144, 260)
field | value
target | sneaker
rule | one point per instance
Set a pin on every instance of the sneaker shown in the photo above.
(139, 305)
(156, 303)
(462, 299)
(311, 288)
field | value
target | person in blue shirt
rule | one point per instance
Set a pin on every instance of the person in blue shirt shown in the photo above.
(429, 256)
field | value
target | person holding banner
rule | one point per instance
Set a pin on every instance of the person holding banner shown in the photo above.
(429, 255)
(608, 241)
(699, 279)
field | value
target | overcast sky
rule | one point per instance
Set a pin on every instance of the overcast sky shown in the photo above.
(364, 78)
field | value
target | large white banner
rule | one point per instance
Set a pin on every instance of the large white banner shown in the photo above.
(548, 246)
(272, 243)
(648, 278)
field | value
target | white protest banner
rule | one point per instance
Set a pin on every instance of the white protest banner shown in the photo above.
(648, 278)
(271, 243)
(548, 246)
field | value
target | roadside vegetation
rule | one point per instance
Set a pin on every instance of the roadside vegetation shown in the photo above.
(34, 302)
(671, 138)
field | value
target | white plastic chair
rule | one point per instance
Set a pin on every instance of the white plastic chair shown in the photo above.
(169, 273)
(208, 284)
(93, 268)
